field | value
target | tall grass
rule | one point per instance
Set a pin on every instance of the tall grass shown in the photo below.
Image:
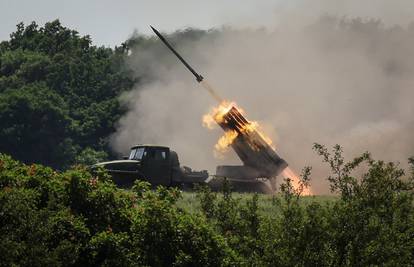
(268, 204)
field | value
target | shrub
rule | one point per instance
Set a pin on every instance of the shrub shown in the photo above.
(76, 218)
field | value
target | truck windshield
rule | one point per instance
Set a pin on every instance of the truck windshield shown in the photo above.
(137, 153)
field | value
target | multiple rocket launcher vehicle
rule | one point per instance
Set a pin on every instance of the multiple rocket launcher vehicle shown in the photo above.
(261, 163)
(260, 160)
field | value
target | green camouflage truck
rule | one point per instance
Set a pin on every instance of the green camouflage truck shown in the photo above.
(158, 165)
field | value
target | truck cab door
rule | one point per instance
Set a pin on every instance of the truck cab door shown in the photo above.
(156, 166)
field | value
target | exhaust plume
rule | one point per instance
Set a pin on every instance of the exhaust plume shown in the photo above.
(336, 80)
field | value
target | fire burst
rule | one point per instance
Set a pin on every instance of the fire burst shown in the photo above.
(225, 141)
(216, 115)
(295, 180)
(238, 130)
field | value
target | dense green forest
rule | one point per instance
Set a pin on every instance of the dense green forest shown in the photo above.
(76, 218)
(58, 95)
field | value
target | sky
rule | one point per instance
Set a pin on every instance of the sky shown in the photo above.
(109, 23)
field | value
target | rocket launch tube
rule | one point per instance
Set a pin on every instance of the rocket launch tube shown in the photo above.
(251, 148)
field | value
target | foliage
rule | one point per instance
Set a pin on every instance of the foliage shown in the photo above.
(89, 156)
(76, 218)
(371, 223)
(374, 221)
(58, 95)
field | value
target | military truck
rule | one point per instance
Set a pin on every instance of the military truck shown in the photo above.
(159, 165)
(156, 164)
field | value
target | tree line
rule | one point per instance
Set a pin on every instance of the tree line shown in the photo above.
(59, 95)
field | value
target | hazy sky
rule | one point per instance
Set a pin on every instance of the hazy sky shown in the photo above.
(111, 22)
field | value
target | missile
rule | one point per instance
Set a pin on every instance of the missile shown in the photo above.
(198, 77)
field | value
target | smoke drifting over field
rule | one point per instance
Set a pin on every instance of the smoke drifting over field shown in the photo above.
(334, 80)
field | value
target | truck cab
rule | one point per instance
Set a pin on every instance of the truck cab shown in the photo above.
(155, 164)
(151, 163)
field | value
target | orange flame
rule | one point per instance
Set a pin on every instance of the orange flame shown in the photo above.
(216, 114)
(295, 180)
(225, 141)
(210, 120)
(255, 126)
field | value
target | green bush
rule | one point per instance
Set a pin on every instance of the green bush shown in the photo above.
(370, 224)
(75, 218)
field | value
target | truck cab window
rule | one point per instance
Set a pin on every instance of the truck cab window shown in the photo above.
(132, 154)
(139, 153)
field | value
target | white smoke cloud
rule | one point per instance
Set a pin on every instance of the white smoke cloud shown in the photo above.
(346, 81)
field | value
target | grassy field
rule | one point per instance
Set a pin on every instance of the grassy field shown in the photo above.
(268, 204)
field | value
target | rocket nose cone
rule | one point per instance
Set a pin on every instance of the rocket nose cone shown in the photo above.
(153, 29)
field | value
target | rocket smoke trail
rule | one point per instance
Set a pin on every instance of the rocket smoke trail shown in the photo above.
(198, 77)
(212, 92)
(249, 144)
